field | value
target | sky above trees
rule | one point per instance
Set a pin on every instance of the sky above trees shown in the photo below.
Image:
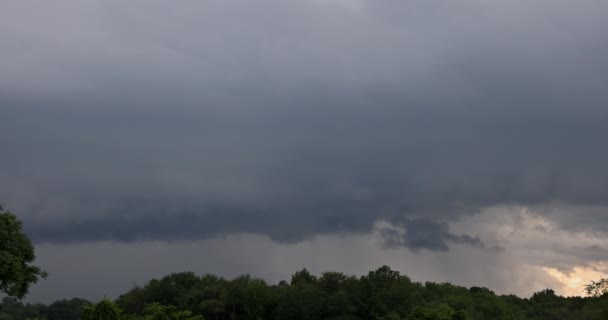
(458, 141)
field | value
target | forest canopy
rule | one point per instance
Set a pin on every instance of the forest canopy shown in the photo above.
(382, 294)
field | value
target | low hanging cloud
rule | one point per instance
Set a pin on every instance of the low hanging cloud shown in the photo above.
(536, 254)
(423, 234)
(148, 120)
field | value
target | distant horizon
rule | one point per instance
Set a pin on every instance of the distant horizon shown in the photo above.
(271, 282)
(96, 254)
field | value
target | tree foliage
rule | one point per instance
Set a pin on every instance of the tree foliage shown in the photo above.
(17, 272)
(597, 288)
(382, 294)
(103, 310)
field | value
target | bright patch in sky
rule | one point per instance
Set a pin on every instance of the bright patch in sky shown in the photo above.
(574, 281)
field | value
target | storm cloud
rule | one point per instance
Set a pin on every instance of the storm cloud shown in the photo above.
(156, 121)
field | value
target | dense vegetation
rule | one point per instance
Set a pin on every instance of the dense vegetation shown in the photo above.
(383, 294)
(17, 272)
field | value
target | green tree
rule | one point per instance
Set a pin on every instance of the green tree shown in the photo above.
(259, 299)
(133, 301)
(385, 291)
(460, 315)
(439, 312)
(235, 295)
(17, 272)
(103, 310)
(157, 311)
(331, 282)
(390, 316)
(303, 277)
(66, 309)
(212, 306)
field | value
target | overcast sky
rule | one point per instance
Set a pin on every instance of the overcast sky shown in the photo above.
(460, 141)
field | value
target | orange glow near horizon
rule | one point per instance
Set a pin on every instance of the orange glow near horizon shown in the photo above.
(573, 282)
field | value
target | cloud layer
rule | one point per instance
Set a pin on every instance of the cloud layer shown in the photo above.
(534, 254)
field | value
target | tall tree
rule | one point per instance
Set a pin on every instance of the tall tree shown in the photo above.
(17, 271)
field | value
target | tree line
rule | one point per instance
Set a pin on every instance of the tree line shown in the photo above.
(382, 294)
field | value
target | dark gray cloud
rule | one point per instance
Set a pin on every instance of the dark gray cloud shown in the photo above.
(418, 234)
(147, 120)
